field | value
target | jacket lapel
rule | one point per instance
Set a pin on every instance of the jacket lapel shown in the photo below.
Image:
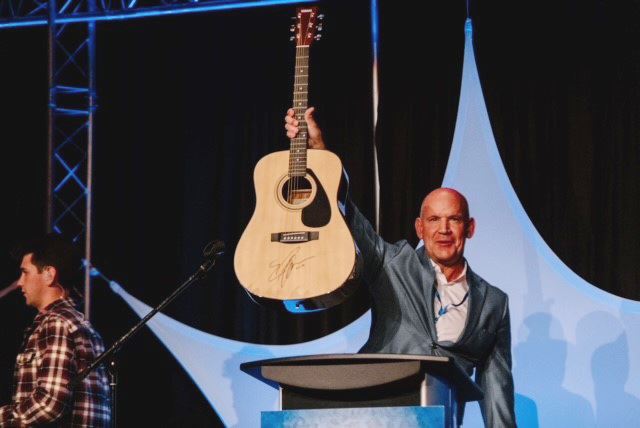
(477, 294)
(428, 281)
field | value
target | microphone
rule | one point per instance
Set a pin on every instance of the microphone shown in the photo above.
(214, 249)
(211, 251)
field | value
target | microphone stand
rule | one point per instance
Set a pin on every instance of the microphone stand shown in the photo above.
(211, 252)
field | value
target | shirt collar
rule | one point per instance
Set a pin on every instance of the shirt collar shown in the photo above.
(442, 280)
(55, 304)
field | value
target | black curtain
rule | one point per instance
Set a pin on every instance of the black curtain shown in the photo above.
(188, 104)
(421, 52)
(562, 85)
(23, 127)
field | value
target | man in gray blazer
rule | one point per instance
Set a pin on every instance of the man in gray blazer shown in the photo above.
(428, 301)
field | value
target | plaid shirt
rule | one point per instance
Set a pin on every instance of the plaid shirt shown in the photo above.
(58, 345)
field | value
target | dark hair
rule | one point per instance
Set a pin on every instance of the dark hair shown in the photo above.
(56, 251)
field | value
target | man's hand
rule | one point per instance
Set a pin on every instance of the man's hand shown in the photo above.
(315, 140)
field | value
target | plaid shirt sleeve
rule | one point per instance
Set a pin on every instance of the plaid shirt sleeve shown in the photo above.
(49, 366)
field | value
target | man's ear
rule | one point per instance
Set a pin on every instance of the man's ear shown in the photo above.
(50, 274)
(470, 228)
(418, 225)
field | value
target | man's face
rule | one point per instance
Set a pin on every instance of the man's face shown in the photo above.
(33, 283)
(444, 226)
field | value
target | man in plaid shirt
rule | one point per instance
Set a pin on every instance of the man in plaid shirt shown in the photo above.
(56, 347)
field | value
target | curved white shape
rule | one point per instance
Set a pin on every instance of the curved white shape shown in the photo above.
(214, 362)
(570, 339)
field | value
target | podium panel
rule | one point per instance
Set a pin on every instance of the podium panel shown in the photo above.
(374, 417)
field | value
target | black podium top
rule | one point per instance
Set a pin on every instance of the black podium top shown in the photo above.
(354, 371)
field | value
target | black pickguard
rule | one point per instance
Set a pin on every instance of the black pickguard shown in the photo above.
(318, 212)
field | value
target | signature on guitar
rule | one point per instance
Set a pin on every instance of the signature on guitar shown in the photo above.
(282, 270)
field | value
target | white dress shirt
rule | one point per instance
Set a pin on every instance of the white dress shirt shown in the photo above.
(451, 323)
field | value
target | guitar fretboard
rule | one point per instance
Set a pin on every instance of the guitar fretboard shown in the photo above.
(298, 149)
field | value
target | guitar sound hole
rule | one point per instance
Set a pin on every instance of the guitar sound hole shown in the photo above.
(296, 190)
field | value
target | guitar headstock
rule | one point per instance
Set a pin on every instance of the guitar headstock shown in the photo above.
(308, 26)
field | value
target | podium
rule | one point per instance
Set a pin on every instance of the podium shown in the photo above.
(347, 381)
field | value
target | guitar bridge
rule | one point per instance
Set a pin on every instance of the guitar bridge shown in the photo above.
(294, 237)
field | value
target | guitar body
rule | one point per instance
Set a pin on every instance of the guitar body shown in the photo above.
(297, 245)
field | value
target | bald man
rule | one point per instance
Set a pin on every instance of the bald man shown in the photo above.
(428, 301)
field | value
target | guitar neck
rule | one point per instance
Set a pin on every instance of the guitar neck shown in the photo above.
(298, 148)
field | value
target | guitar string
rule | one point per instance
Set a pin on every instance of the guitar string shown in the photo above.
(299, 104)
(304, 83)
(299, 99)
(297, 166)
(293, 142)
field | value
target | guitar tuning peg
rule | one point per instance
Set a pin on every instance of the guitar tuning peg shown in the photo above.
(292, 38)
(320, 27)
(321, 16)
(318, 36)
(292, 28)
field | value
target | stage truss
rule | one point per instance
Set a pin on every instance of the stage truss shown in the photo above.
(73, 99)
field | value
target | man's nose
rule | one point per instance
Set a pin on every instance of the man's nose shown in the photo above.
(443, 227)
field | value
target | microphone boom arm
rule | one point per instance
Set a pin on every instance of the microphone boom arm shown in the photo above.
(211, 252)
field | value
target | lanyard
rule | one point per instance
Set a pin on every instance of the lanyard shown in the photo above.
(443, 309)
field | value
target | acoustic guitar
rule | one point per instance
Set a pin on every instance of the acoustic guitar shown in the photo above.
(297, 248)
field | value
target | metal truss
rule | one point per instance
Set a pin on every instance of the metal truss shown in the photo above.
(22, 13)
(72, 95)
(72, 106)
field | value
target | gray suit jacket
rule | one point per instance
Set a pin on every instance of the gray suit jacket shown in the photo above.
(402, 282)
